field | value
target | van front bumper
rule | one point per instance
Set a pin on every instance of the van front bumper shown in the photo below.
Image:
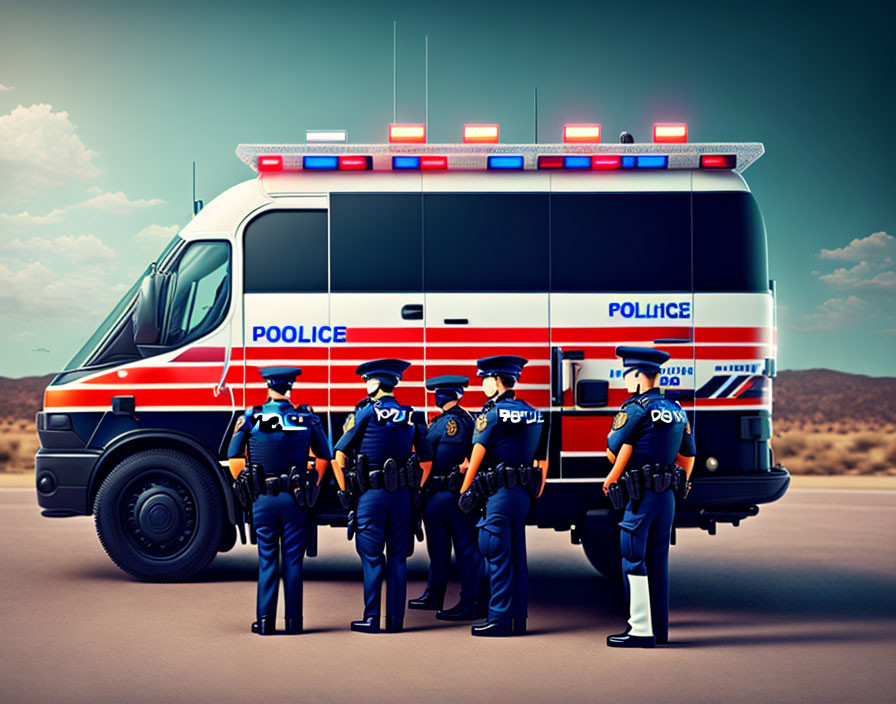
(62, 479)
(738, 489)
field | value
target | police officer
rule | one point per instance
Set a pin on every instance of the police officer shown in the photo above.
(650, 440)
(276, 487)
(450, 434)
(505, 441)
(379, 439)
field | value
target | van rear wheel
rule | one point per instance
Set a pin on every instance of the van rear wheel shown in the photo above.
(159, 516)
(600, 540)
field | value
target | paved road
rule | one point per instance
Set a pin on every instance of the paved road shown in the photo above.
(797, 604)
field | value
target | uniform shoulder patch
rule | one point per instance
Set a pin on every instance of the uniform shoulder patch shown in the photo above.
(451, 428)
(687, 428)
(240, 422)
(619, 420)
(481, 422)
(349, 423)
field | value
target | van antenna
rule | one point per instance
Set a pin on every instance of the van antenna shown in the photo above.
(426, 85)
(394, 71)
(535, 112)
(197, 204)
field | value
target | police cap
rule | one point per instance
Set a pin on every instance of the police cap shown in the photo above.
(448, 381)
(644, 359)
(280, 379)
(501, 365)
(388, 371)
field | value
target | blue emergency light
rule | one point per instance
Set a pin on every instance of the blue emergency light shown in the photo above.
(500, 161)
(320, 163)
(653, 161)
(406, 162)
(577, 162)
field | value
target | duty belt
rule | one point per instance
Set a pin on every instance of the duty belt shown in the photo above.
(503, 476)
(649, 477)
(390, 476)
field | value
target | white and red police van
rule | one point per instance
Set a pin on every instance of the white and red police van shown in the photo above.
(438, 254)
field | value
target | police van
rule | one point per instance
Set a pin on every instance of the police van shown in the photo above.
(439, 254)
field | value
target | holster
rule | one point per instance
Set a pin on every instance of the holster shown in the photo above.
(680, 484)
(352, 524)
(662, 480)
(296, 483)
(632, 479)
(533, 484)
(311, 489)
(455, 481)
(391, 480)
(413, 472)
(470, 499)
(256, 480)
(616, 496)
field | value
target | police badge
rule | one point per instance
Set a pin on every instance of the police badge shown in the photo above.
(481, 422)
(451, 428)
(349, 423)
(619, 420)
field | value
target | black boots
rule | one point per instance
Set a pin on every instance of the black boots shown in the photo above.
(394, 624)
(460, 612)
(626, 640)
(428, 601)
(492, 629)
(264, 627)
(518, 627)
(293, 626)
(371, 624)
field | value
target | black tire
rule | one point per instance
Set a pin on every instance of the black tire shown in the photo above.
(160, 516)
(601, 545)
(228, 538)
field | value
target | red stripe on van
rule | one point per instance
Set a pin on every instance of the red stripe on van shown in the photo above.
(287, 353)
(384, 334)
(360, 352)
(530, 375)
(500, 335)
(172, 398)
(585, 433)
(209, 354)
(345, 374)
(741, 335)
(168, 375)
(723, 402)
(473, 352)
(620, 335)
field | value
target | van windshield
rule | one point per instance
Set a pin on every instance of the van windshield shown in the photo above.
(86, 352)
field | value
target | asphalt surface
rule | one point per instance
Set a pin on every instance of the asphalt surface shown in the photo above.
(797, 604)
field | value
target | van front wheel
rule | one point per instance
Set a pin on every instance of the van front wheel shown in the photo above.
(160, 516)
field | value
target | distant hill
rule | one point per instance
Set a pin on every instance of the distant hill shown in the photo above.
(821, 396)
(22, 398)
(810, 396)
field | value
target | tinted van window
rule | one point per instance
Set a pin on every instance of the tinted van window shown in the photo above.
(509, 229)
(376, 241)
(286, 251)
(730, 251)
(594, 235)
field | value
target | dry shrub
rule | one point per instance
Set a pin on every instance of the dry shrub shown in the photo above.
(866, 442)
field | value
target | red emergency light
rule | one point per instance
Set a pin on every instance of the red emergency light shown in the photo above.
(268, 164)
(550, 162)
(355, 163)
(581, 134)
(665, 132)
(606, 162)
(407, 134)
(718, 161)
(481, 134)
(433, 163)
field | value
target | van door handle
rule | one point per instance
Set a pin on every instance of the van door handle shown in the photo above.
(412, 311)
(457, 321)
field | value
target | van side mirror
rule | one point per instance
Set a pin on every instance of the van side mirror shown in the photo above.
(592, 393)
(148, 316)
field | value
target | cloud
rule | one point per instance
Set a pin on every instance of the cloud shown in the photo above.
(4, 88)
(876, 245)
(157, 235)
(36, 293)
(116, 203)
(834, 314)
(79, 248)
(39, 149)
(21, 336)
(26, 218)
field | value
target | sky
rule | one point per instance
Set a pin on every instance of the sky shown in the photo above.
(104, 107)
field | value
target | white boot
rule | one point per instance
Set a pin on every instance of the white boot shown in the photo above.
(640, 631)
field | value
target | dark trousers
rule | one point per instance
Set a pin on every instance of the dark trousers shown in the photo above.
(446, 523)
(644, 540)
(502, 542)
(384, 524)
(282, 531)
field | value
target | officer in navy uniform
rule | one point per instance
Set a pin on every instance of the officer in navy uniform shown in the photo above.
(651, 440)
(506, 439)
(380, 439)
(450, 435)
(276, 438)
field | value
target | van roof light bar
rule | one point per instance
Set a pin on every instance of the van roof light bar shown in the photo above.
(326, 136)
(474, 157)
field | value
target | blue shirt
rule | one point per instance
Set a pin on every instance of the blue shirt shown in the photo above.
(509, 430)
(655, 427)
(450, 436)
(278, 436)
(385, 429)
